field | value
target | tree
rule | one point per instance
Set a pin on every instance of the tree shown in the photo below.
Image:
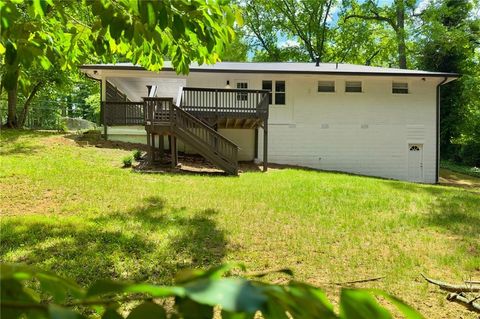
(304, 21)
(451, 43)
(394, 15)
(64, 34)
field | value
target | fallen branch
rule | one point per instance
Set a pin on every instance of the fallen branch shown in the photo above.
(358, 281)
(462, 299)
(352, 282)
(451, 287)
(472, 282)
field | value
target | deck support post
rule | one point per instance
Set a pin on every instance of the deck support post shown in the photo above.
(173, 150)
(103, 105)
(161, 146)
(149, 148)
(265, 145)
(152, 147)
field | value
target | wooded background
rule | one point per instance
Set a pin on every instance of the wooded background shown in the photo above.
(41, 48)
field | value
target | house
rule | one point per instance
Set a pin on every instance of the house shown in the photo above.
(359, 119)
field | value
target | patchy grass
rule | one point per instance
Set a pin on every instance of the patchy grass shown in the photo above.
(459, 168)
(73, 210)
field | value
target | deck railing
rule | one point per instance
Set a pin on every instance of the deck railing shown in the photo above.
(218, 102)
(162, 113)
(123, 113)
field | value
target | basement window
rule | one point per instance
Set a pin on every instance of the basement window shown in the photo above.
(326, 86)
(399, 88)
(353, 86)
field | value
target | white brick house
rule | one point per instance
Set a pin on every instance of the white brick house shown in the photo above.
(358, 119)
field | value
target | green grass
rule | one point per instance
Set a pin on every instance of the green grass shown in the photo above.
(75, 211)
(459, 168)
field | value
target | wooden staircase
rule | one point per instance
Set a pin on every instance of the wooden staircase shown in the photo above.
(162, 117)
(194, 118)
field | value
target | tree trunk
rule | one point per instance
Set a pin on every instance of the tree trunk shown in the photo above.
(12, 104)
(26, 105)
(400, 32)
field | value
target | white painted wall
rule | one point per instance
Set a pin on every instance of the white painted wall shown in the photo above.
(245, 139)
(364, 133)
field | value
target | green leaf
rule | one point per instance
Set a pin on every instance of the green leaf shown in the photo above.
(111, 314)
(217, 272)
(237, 315)
(360, 304)
(148, 310)
(2, 49)
(193, 310)
(232, 294)
(406, 310)
(178, 27)
(39, 7)
(57, 312)
(102, 287)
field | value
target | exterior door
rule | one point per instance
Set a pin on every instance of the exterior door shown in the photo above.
(415, 162)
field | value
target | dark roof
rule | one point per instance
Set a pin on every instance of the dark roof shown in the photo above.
(283, 67)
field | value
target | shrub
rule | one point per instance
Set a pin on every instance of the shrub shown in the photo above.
(127, 161)
(196, 294)
(470, 154)
(137, 155)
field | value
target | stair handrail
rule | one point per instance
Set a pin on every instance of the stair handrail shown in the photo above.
(203, 125)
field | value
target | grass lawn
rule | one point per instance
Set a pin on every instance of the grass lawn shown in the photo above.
(73, 210)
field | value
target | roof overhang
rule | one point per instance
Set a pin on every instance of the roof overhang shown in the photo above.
(278, 68)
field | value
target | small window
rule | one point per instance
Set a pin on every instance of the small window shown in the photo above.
(279, 92)
(326, 86)
(242, 96)
(353, 86)
(400, 88)
(414, 148)
(267, 85)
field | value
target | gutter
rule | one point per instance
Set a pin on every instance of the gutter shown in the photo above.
(437, 155)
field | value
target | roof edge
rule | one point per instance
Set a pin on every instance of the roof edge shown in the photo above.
(170, 69)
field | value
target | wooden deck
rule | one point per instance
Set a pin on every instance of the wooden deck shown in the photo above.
(195, 117)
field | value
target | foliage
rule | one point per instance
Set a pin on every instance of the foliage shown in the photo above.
(305, 23)
(127, 161)
(196, 294)
(459, 168)
(450, 44)
(44, 34)
(137, 155)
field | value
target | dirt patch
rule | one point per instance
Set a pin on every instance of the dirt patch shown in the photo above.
(22, 198)
(190, 164)
(93, 138)
(450, 178)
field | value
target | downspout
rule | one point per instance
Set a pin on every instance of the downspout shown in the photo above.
(437, 155)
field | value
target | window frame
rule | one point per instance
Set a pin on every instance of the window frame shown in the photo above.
(273, 92)
(400, 93)
(325, 81)
(284, 92)
(241, 97)
(270, 94)
(361, 86)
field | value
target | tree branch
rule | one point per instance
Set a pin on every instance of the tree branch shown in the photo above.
(450, 287)
(462, 299)
(27, 103)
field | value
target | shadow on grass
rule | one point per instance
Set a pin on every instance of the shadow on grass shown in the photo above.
(11, 145)
(145, 243)
(457, 211)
